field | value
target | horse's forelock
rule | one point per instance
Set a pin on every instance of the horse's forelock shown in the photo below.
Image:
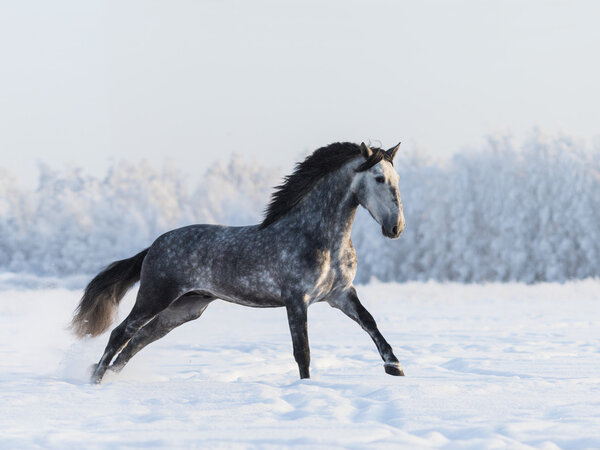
(376, 157)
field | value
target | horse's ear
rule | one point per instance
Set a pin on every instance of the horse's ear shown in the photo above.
(365, 150)
(392, 151)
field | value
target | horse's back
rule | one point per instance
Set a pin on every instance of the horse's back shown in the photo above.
(184, 250)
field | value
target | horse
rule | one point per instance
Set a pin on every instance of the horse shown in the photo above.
(300, 254)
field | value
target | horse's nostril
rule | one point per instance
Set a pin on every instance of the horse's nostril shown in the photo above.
(395, 230)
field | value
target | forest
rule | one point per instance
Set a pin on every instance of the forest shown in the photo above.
(525, 212)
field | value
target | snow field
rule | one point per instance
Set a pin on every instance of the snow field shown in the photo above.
(488, 366)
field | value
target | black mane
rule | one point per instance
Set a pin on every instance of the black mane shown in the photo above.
(306, 174)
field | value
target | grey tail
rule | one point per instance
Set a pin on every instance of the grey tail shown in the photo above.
(102, 295)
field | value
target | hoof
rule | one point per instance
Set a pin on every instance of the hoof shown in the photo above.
(92, 369)
(393, 369)
(96, 378)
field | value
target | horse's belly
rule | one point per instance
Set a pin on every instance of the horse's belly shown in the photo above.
(243, 292)
(255, 302)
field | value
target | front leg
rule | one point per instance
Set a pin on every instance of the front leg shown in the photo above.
(348, 302)
(296, 312)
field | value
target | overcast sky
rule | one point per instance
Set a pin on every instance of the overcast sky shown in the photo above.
(87, 82)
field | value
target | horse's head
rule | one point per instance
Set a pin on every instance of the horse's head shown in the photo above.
(375, 187)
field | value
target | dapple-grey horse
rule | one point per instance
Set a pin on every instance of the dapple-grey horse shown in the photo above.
(300, 254)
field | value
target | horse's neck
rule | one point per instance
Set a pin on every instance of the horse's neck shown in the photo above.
(328, 210)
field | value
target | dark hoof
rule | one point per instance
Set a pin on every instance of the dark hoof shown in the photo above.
(393, 369)
(96, 378)
(92, 369)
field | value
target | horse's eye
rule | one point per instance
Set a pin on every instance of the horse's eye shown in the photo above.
(380, 179)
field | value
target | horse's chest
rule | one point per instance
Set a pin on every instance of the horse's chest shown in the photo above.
(334, 270)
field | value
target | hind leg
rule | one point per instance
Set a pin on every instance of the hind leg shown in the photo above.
(148, 304)
(186, 308)
(118, 339)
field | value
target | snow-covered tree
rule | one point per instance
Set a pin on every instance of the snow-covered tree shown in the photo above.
(503, 212)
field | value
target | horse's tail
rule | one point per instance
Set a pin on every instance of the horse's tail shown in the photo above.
(102, 295)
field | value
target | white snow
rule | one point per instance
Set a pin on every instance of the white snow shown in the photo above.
(487, 366)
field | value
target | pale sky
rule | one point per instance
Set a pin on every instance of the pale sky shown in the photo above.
(87, 82)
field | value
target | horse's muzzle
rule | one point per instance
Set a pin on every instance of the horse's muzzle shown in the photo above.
(394, 231)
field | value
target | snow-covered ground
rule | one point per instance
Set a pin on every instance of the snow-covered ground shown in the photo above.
(487, 366)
